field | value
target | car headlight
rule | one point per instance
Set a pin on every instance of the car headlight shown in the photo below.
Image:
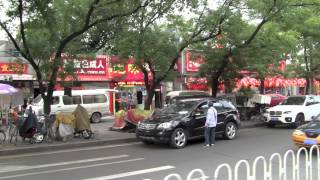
(287, 112)
(165, 126)
(298, 133)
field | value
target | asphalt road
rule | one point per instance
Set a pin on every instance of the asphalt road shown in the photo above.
(136, 161)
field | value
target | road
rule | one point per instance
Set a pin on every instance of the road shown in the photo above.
(136, 161)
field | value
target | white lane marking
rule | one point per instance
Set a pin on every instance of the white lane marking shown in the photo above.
(69, 169)
(68, 150)
(21, 168)
(132, 173)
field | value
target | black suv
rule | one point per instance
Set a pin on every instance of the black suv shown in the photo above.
(185, 119)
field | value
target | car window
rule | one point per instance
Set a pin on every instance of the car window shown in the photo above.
(218, 106)
(76, 99)
(311, 101)
(55, 100)
(100, 98)
(202, 109)
(67, 100)
(294, 100)
(180, 107)
(314, 125)
(88, 99)
(227, 105)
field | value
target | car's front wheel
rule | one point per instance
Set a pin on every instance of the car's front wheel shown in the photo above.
(178, 138)
(299, 120)
(231, 130)
(96, 117)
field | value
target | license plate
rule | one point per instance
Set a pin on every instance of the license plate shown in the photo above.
(310, 142)
(274, 119)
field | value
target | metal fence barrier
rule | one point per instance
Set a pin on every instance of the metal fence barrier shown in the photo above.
(300, 163)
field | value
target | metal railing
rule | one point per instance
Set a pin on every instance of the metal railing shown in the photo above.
(291, 166)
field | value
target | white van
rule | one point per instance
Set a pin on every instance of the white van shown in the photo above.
(96, 102)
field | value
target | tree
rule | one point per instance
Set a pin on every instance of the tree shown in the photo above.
(240, 40)
(46, 29)
(156, 47)
(305, 22)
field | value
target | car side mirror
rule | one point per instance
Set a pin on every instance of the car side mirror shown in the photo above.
(196, 113)
(309, 103)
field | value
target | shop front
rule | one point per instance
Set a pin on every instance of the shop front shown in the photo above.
(89, 73)
(18, 75)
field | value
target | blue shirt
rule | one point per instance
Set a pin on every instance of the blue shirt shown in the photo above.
(211, 120)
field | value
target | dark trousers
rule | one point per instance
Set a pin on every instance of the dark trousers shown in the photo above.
(209, 135)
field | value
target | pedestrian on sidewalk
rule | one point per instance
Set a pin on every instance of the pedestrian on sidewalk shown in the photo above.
(210, 125)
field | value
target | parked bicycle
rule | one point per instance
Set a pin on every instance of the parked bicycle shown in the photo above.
(47, 127)
(13, 132)
(2, 136)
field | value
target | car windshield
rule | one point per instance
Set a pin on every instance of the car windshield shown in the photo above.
(181, 107)
(298, 100)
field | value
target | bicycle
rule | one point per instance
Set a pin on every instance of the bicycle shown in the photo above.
(13, 132)
(47, 127)
(2, 136)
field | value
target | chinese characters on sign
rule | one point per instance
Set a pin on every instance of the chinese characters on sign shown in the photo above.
(13, 68)
(88, 66)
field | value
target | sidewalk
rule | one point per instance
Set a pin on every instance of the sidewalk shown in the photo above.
(102, 136)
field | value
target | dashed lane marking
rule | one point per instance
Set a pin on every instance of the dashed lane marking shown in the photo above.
(69, 150)
(69, 169)
(132, 173)
(21, 168)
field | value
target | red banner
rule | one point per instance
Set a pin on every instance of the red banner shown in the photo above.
(89, 69)
(193, 61)
(13, 68)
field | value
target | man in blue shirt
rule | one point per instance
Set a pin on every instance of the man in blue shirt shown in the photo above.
(210, 125)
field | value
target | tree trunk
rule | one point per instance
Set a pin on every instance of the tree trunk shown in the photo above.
(309, 85)
(262, 86)
(215, 76)
(46, 105)
(150, 94)
(215, 84)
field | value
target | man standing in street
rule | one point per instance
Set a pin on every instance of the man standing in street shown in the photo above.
(210, 126)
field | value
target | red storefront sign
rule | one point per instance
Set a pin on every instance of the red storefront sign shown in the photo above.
(193, 61)
(88, 68)
(126, 73)
(13, 68)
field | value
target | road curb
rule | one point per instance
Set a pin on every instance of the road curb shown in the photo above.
(80, 144)
(73, 145)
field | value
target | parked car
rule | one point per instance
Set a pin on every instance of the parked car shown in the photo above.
(185, 119)
(307, 134)
(95, 101)
(294, 110)
(173, 95)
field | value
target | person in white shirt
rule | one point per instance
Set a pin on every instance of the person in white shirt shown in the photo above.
(210, 125)
(28, 109)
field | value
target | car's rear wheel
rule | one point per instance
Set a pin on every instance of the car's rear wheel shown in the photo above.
(178, 138)
(96, 117)
(231, 130)
(299, 120)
